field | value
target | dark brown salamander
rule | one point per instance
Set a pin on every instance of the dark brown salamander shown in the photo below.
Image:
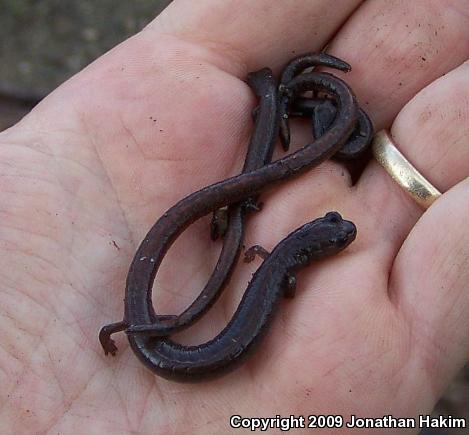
(139, 310)
(230, 222)
(275, 278)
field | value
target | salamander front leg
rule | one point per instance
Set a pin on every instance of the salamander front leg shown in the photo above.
(289, 284)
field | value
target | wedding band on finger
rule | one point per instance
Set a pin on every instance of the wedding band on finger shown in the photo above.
(402, 171)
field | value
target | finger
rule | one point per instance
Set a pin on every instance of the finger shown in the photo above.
(429, 276)
(429, 286)
(431, 131)
(434, 131)
(257, 33)
(397, 48)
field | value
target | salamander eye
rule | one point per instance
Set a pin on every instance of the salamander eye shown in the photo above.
(334, 217)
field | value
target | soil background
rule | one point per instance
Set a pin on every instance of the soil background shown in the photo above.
(45, 42)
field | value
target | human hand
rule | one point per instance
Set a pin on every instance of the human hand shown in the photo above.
(380, 329)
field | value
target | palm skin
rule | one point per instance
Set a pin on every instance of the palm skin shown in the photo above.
(379, 329)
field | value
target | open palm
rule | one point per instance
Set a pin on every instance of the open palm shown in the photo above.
(379, 329)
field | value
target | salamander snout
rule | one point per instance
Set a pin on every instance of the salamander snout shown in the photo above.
(350, 229)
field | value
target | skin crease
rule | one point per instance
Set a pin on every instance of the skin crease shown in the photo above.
(381, 328)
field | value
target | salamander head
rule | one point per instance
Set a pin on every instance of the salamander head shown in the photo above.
(324, 237)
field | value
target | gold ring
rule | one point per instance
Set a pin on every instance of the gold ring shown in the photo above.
(402, 171)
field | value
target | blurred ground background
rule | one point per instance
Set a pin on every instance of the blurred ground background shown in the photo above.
(45, 42)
